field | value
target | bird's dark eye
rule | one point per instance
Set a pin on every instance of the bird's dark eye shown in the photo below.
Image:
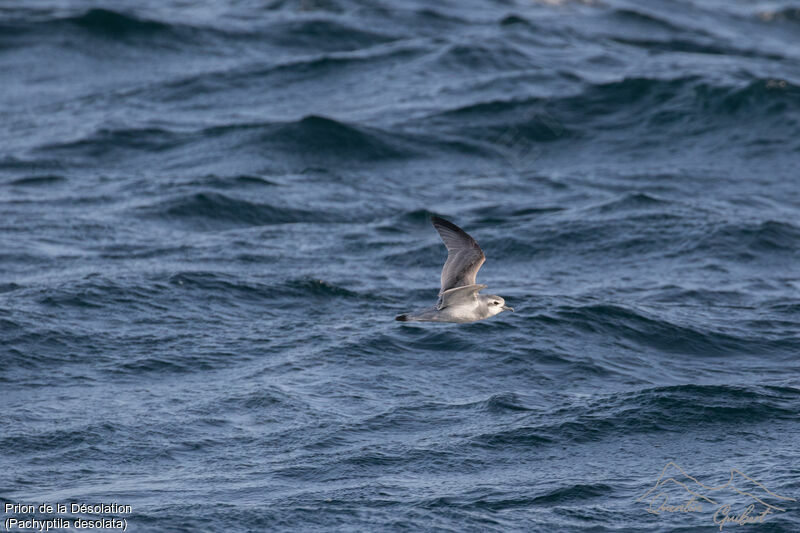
(496, 303)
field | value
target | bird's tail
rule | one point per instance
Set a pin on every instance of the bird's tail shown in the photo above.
(402, 318)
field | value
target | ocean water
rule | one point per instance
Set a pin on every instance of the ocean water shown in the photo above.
(210, 213)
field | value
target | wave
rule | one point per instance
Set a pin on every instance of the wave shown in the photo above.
(113, 23)
(30, 165)
(407, 419)
(666, 336)
(497, 500)
(9, 286)
(654, 410)
(106, 142)
(760, 97)
(268, 398)
(572, 494)
(632, 202)
(749, 241)
(120, 26)
(629, 102)
(487, 56)
(97, 292)
(642, 231)
(637, 223)
(314, 288)
(159, 292)
(646, 21)
(324, 34)
(673, 293)
(512, 424)
(37, 181)
(655, 33)
(315, 136)
(32, 345)
(380, 344)
(685, 46)
(278, 74)
(698, 99)
(242, 290)
(235, 182)
(309, 139)
(513, 19)
(204, 211)
(787, 14)
(110, 25)
(95, 23)
(56, 440)
(181, 362)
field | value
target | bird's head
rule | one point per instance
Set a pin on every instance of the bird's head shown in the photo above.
(497, 305)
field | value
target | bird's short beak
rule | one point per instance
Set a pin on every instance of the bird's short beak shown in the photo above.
(507, 308)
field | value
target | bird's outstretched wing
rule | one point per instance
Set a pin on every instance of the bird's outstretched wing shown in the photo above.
(458, 295)
(464, 256)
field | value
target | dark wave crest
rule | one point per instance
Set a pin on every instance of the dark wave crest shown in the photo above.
(658, 103)
(751, 241)
(656, 410)
(787, 14)
(314, 137)
(621, 322)
(113, 23)
(213, 210)
(307, 34)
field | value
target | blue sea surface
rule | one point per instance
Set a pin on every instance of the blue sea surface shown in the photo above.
(211, 211)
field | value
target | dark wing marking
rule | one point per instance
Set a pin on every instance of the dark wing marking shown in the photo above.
(464, 256)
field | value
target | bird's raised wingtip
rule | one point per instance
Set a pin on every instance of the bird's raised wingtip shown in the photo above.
(402, 318)
(439, 221)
